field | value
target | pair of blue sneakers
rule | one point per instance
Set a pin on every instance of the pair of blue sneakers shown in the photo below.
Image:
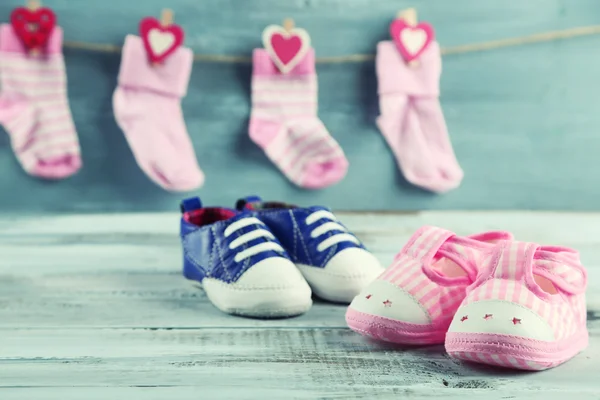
(265, 259)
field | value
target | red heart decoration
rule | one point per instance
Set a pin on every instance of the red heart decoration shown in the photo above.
(286, 48)
(410, 40)
(33, 27)
(160, 41)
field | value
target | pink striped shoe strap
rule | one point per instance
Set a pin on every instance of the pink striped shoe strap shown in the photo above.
(563, 267)
(520, 261)
(513, 260)
(466, 252)
(428, 244)
(467, 265)
(425, 243)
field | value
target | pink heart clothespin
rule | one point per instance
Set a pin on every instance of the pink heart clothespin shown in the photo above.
(286, 45)
(411, 39)
(160, 38)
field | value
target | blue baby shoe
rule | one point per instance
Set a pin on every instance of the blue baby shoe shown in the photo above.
(240, 264)
(334, 262)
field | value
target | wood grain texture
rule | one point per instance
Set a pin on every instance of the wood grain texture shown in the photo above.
(522, 120)
(94, 307)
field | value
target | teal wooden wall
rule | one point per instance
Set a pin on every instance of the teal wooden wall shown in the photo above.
(524, 121)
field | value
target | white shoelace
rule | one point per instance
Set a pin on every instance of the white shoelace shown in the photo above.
(330, 225)
(256, 233)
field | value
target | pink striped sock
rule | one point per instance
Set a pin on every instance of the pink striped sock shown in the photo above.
(285, 125)
(34, 108)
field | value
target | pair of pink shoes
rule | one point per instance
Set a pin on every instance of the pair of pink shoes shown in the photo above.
(489, 298)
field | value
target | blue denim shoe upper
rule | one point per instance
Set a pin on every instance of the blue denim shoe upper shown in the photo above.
(222, 243)
(311, 235)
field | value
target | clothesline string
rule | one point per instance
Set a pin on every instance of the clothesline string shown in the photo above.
(356, 58)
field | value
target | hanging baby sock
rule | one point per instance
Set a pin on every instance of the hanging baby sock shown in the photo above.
(147, 107)
(285, 125)
(34, 108)
(411, 118)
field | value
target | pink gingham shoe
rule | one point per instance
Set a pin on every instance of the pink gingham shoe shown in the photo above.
(413, 301)
(526, 310)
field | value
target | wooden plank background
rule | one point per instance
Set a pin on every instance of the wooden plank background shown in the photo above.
(94, 307)
(523, 120)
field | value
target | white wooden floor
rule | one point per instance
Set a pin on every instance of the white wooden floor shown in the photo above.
(94, 307)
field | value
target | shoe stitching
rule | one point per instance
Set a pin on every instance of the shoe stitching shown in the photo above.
(194, 263)
(227, 274)
(380, 325)
(329, 255)
(190, 255)
(249, 288)
(211, 257)
(370, 334)
(324, 271)
(515, 346)
(273, 311)
(500, 344)
(296, 227)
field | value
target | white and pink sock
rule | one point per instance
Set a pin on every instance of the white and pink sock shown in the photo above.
(285, 125)
(34, 108)
(147, 107)
(411, 118)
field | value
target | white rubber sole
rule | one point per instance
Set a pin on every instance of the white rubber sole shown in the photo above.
(272, 303)
(345, 275)
(333, 287)
(272, 288)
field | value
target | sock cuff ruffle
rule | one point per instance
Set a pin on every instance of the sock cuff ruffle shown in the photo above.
(10, 43)
(395, 76)
(263, 65)
(171, 77)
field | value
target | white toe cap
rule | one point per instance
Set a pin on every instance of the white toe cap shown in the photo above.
(344, 276)
(384, 299)
(272, 287)
(272, 273)
(503, 318)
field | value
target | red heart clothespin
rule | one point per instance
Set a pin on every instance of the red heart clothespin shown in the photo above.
(286, 45)
(160, 38)
(33, 25)
(411, 39)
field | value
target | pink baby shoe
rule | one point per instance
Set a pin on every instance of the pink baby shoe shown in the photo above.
(413, 301)
(526, 309)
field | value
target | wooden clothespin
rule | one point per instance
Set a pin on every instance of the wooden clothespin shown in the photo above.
(288, 24)
(409, 16)
(33, 5)
(161, 36)
(166, 17)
